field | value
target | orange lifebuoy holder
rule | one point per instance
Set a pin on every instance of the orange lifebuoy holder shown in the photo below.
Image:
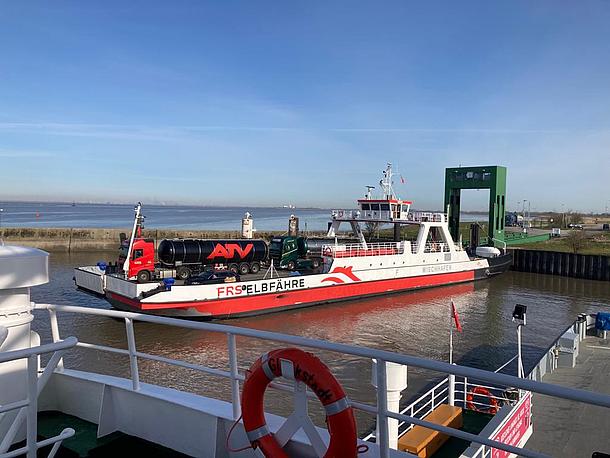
(479, 390)
(298, 365)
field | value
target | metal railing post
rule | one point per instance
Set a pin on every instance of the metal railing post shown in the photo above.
(32, 408)
(55, 334)
(234, 376)
(451, 390)
(133, 359)
(382, 410)
(465, 390)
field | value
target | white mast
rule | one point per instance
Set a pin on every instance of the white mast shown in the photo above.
(136, 223)
(386, 183)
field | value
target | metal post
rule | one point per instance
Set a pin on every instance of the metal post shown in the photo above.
(32, 408)
(465, 390)
(451, 392)
(382, 410)
(55, 334)
(234, 374)
(133, 359)
(519, 361)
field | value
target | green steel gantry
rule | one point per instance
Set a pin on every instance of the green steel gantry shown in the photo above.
(492, 178)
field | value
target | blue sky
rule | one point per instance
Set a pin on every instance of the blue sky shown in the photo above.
(268, 103)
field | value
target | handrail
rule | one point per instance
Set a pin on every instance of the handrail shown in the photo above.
(573, 394)
(28, 408)
(360, 250)
(382, 357)
(12, 355)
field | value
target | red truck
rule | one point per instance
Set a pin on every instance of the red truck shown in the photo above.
(181, 258)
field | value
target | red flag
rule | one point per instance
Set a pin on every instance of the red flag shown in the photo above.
(402, 180)
(456, 318)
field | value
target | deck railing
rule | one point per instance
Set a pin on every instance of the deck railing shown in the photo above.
(359, 250)
(380, 409)
(28, 407)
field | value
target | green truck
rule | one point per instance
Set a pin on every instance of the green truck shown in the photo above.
(294, 253)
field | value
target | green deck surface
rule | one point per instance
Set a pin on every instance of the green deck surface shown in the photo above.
(85, 443)
(474, 422)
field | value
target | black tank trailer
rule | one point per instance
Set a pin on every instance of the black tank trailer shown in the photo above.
(189, 256)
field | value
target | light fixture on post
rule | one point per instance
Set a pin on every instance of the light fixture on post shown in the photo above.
(519, 317)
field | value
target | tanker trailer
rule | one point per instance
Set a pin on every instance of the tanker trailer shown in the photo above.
(191, 256)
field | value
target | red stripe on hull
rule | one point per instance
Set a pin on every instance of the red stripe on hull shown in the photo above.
(273, 302)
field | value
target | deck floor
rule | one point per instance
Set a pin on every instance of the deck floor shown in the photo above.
(565, 428)
(85, 443)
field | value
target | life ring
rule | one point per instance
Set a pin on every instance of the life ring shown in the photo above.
(493, 403)
(328, 251)
(296, 364)
(340, 213)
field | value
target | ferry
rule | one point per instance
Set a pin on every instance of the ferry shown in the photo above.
(347, 271)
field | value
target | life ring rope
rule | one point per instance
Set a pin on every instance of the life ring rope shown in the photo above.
(303, 368)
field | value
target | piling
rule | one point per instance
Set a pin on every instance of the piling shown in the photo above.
(587, 266)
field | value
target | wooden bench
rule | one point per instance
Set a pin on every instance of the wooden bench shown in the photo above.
(423, 442)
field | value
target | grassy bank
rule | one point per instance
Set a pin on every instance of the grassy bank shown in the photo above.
(592, 243)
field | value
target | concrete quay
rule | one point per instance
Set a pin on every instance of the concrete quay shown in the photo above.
(565, 428)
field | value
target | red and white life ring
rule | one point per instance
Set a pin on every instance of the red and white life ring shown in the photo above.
(296, 364)
(493, 403)
(328, 251)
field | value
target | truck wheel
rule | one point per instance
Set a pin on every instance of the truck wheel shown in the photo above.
(291, 265)
(255, 267)
(183, 273)
(234, 268)
(143, 276)
(244, 268)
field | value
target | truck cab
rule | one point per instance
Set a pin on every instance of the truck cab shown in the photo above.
(288, 252)
(142, 260)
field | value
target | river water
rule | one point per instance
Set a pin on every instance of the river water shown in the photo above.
(410, 323)
(64, 215)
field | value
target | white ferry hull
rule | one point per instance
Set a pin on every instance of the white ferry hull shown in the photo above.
(246, 298)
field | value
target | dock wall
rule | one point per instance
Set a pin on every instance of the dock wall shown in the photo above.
(80, 239)
(592, 267)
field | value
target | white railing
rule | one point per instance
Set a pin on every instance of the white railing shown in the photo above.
(440, 394)
(435, 247)
(423, 217)
(422, 406)
(359, 250)
(28, 407)
(370, 215)
(380, 409)
(345, 214)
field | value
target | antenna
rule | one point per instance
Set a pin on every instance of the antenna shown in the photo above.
(386, 183)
